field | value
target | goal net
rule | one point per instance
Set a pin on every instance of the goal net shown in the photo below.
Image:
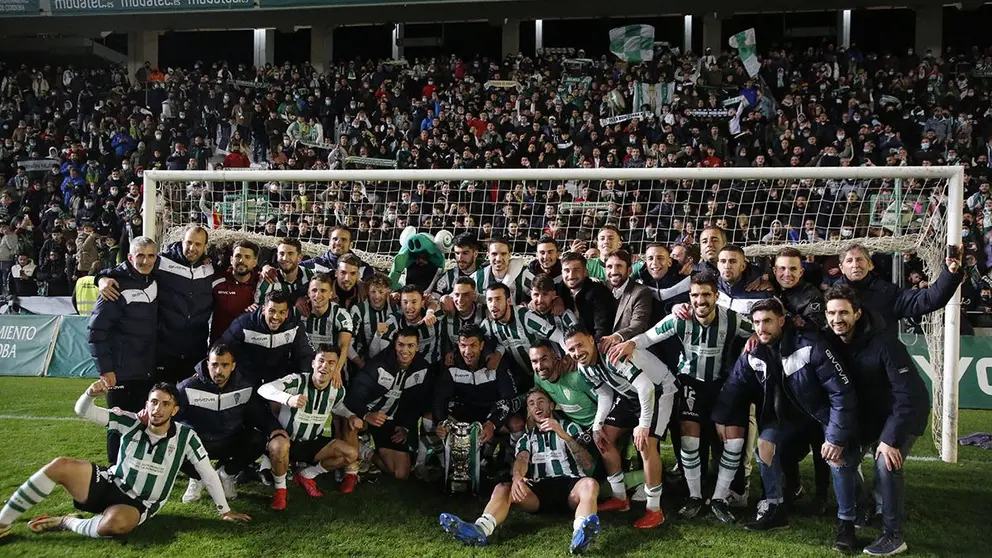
(909, 213)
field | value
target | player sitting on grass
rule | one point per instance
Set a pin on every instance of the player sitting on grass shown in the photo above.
(548, 475)
(126, 494)
(307, 400)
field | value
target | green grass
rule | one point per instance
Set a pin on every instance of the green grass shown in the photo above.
(949, 508)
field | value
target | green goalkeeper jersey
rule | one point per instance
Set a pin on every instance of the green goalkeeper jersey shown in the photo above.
(573, 394)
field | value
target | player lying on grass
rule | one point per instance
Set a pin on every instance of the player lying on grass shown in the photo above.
(125, 495)
(548, 475)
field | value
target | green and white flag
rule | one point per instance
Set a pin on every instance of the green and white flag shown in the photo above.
(633, 43)
(654, 95)
(747, 50)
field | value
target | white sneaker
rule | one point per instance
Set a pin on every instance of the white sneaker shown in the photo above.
(230, 487)
(194, 491)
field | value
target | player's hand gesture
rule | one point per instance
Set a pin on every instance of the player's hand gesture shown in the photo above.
(234, 516)
(336, 380)
(298, 401)
(621, 351)
(110, 378)
(356, 422)
(608, 341)
(98, 388)
(382, 328)
(429, 318)
(682, 311)
(488, 430)
(269, 274)
(551, 424)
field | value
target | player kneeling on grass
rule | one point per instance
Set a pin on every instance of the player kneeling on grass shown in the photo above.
(548, 475)
(126, 494)
(307, 400)
(235, 426)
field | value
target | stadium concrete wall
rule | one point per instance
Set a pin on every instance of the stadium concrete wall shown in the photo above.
(56, 346)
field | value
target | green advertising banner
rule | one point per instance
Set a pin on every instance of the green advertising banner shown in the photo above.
(72, 351)
(974, 368)
(26, 344)
(95, 7)
(10, 8)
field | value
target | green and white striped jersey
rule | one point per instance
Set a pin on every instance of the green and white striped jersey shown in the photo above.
(518, 283)
(453, 326)
(561, 323)
(364, 320)
(325, 329)
(307, 423)
(430, 337)
(705, 349)
(550, 457)
(297, 288)
(444, 283)
(515, 336)
(146, 468)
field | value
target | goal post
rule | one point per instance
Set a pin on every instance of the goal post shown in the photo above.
(241, 201)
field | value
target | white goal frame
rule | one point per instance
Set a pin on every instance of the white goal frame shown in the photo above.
(955, 205)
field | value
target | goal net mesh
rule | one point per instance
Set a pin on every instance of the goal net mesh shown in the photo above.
(820, 217)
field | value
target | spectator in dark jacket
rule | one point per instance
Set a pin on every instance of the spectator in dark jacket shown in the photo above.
(122, 334)
(884, 375)
(52, 273)
(392, 418)
(235, 424)
(792, 377)
(269, 342)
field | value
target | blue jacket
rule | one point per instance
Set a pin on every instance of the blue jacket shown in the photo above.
(813, 381)
(892, 303)
(264, 355)
(736, 297)
(883, 373)
(122, 334)
(188, 295)
(220, 413)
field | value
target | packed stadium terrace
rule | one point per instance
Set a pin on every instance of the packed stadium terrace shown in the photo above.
(76, 144)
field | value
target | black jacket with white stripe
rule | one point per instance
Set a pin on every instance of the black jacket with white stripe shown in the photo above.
(217, 413)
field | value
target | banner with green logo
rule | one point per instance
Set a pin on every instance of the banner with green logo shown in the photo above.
(10, 8)
(72, 350)
(974, 368)
(26, 344)
(86, 7)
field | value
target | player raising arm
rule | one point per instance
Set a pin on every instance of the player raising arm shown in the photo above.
(124, 495)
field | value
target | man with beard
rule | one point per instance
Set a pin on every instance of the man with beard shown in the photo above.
(568, 388)
(413, 315)
(348, 289)
(390, 394)
(470, 391)
(235, 295)
(128, 493)
(369, 316)
(514, 329)
(592, 301)
(235, 425)
(290, 277)
(467, 312)
(504, 270)
(544, 296)
(186, 282)
(549, 474)
(546, 260)
(635, 309)
(734, 272)
(341, 240)
(638, 393)
(883, 373)
(608, 240)
(327, 323)
(466, 248)
(792, 377)
(707, 341)
(306, 402)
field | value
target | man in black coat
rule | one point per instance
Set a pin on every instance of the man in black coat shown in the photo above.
(591, 300)
(894, 408)
(887, 300)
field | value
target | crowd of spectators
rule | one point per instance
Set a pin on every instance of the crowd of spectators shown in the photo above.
(75, 142)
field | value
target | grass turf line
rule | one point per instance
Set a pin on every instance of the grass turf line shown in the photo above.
(948, 508)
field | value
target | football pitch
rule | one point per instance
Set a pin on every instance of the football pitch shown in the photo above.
(949, 507)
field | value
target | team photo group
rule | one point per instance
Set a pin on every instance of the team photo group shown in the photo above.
(551, 382)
